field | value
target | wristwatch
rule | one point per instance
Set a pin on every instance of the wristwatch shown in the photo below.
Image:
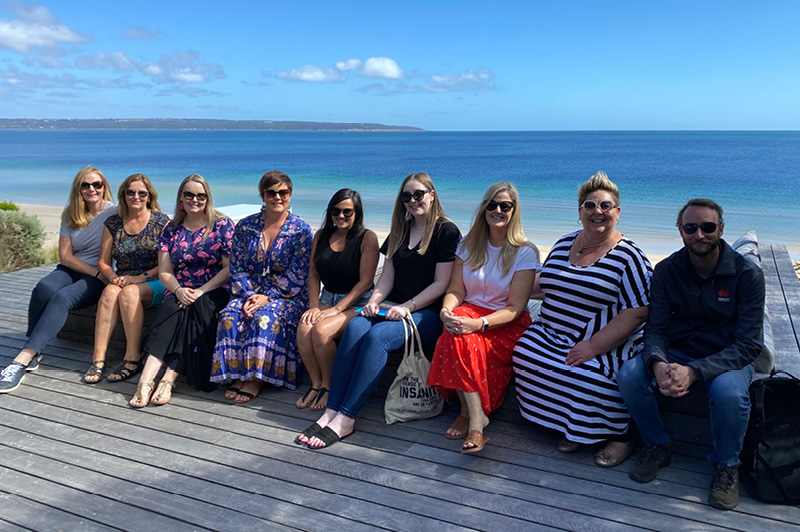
(485, 323)
(146, 276)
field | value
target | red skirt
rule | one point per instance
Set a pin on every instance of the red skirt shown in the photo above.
(477, 362)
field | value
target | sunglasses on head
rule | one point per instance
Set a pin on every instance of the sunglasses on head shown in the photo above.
(97, 185)
(505, 206)
(141, 193)
(417, 195)
(347, 213)
(706, 227)
(202, 196)
(605, 206)
(283, 193)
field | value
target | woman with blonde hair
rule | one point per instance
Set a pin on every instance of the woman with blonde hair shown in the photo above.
(596, 286)
(130, 239)
(420, 251)
(193, 265)
(484, 313)
(76, 282)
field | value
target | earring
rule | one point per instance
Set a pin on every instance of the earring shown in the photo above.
(182, 207)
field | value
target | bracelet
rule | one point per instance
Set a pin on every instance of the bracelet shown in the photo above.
(97, 275)
(414, 303)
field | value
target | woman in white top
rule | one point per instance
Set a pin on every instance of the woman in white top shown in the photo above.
(484, 313)
(76, 282)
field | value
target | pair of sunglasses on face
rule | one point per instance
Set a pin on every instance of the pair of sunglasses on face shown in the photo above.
(189, 196)
(97, 185)
(417, 195)
(705, 227)
(141, 193)
(347, 213)
(505, 206)
(605, 206)
(283, 193)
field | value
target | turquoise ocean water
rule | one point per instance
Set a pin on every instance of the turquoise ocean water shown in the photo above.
(753, 175)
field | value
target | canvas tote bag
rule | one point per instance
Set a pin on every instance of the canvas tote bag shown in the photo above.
(409, 397)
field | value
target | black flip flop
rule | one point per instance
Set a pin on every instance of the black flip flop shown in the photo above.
(309, 432)
(328, 437)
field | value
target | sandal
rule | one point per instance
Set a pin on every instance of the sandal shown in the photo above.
(316, 407)
(246, 397)
(123, 372)
(139, 399)
(460, 426)
(308, 432)
(476, 440)
(328, 437)
(164, 389)
(231, 393)
(303, 402)
(95, 372)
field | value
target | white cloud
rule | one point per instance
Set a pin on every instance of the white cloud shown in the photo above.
(381, 67)
(350, 64)
(35, 26)
(475, 80)
(182, 67)
(140, 32)
(313, 74)
(116, 60)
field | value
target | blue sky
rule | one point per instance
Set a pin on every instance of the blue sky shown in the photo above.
(442, 65)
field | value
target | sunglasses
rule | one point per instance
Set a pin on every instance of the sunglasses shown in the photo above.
(97, 185)
(605, 206)
(706, 227)
(283, 193)
(202, 196)
(505, 206)
(417, 195)
(347, 213)
(141, 193)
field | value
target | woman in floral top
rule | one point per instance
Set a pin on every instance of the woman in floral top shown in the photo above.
(256, 336)
(130, 238)
(193, 264)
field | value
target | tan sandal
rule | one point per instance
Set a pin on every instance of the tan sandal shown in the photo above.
(475, 442)
(164, 388)
(140, 400)
(461, 426)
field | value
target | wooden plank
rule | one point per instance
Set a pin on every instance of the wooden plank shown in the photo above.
(32, 515)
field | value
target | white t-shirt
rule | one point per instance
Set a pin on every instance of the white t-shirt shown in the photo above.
(486, 286)
(86, 240)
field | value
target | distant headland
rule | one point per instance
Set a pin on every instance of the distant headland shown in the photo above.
(193, 123)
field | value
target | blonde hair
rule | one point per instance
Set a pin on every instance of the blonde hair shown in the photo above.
(75, 213)
(152, 198)
(400, 216)
(598, 181)
(477, 240)
(211, 214)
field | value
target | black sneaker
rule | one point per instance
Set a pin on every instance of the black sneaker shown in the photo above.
(33, 365)
(649, 459)
(11, 377)
(724, 492)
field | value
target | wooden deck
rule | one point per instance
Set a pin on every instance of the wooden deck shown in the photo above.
(75, 457)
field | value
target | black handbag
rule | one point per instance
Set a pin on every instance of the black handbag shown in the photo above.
(772, 444)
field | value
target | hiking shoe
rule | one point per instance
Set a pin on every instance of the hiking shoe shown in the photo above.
(33, 365)
(724, 492)
(648, 461)
(11, 376)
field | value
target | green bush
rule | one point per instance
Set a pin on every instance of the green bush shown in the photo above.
(21, 240)
(8, 206)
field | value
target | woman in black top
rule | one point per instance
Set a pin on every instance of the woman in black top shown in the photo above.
(420, 254)
(344, 256)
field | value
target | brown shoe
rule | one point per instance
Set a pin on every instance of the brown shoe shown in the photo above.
(568, 446)
(724, 492)
(604, 458)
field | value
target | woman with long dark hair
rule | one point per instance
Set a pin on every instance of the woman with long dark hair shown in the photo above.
(344, 257)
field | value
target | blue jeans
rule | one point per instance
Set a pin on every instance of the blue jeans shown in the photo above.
(728, 401)
(54, 296)
(362, 355)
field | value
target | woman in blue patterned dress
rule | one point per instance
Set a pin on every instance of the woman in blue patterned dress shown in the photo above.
(194, 266)
(130, 238)
(256, 335)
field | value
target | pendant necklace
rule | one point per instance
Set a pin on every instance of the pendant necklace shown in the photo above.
(580, 252)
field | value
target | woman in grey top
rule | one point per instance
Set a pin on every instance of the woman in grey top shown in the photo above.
(76, 282)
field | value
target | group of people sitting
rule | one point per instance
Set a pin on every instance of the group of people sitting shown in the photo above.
(255, 303)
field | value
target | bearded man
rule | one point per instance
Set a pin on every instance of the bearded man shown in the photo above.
(705, 325)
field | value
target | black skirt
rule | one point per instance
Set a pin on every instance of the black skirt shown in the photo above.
(183, 337)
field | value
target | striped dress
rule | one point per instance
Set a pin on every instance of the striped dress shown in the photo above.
(581, 402)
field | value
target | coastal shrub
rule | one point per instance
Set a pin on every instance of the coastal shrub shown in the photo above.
(8, 206)
(21, 239)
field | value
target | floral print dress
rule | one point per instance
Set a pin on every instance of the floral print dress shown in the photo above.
(264, 346)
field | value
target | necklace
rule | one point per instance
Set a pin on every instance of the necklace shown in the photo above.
(580, 252)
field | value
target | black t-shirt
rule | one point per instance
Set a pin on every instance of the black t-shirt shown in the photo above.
(413, 272)
(340, 271)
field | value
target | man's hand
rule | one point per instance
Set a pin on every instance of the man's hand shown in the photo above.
(673, 380)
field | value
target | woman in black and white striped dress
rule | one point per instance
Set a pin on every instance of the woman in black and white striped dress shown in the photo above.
(596, 285)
